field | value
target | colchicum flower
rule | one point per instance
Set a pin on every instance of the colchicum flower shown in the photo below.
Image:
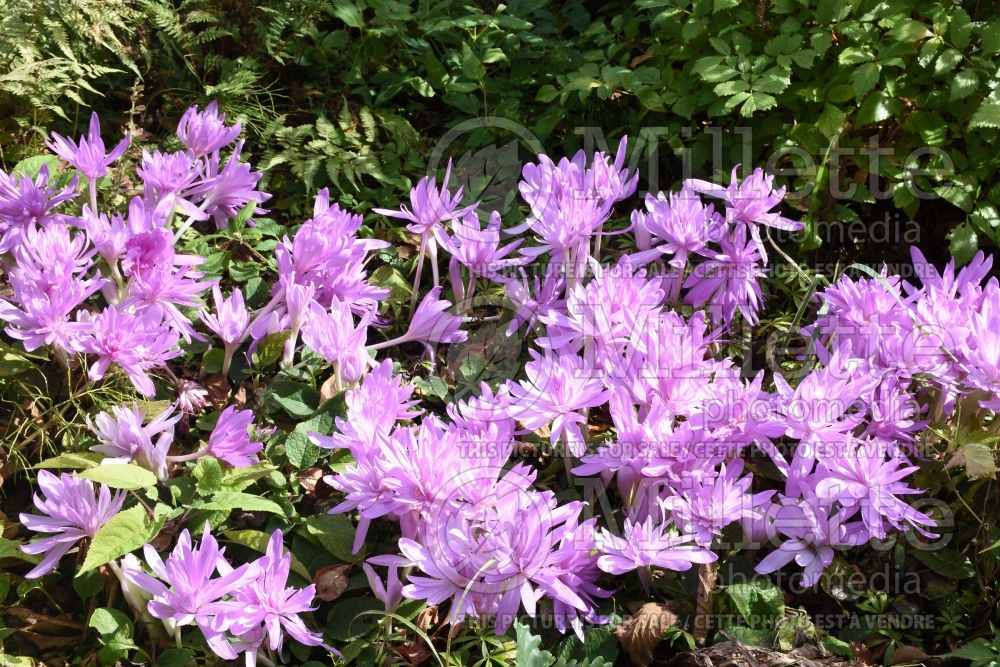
(70, 511)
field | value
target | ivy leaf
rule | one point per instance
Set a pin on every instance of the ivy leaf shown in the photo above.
(123, 533)
(120, 476)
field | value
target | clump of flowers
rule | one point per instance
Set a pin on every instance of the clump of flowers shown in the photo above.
(642, 341)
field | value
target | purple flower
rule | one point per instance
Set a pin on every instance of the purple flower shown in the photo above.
(478, 249)
(333, 335)
(88, 156)
(185, 591)
(205, 132)
(24, 202)
(703, 507)
(70, 511)
(230, 439)
(430, 323)
(191, 396)
(266, 607)
(865, 478)
(645, 544)
(134, 341)
(429, 205)
(533, 300)
(167, 174)
(223, 193)
(124, 438)
(556, 389)
(229, 323)
(749, 201)
(729, 281)
(682, 221)
(389, 593)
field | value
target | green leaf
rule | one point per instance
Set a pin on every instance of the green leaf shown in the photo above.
(991, 37)
(529, 650)
(270, 349)
(988, 115)
(963, 84)
(257, 540)
(759, 603)
(962, 192)
(237, 479)
(963, 245)
(335, 533)
(757, 102)
(877, 107)
(300, 450)
(175, 657)
(910, 31)
(946, 562)
(120, 476)
(237, 500)
(111, 624)
(960, 27)
(347, 620)
(838, 647)
(123, 533)
(295, 398)
(976, 650)
(75, 461)
(31, 166)
(208, 472)
(831, 121)
(865, 78)
(349, 13)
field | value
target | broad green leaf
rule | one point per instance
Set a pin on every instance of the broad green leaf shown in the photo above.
(295, 398)
(123, 533)
(760, 603)
(946, 562)
(79, 461)
(349, 13)
(111, 624)
(237, 500)
(237, 479)
(300, 450)
(120, 476)
(864, 78)
(335, 533)
(208, 472)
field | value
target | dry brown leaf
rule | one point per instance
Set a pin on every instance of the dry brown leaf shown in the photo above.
(309, 478)
(415, 654)
(427, 618)
(331, 581)
(906, 654)
(328, 389)
(641, 632)
(218, 389)
(640, 59)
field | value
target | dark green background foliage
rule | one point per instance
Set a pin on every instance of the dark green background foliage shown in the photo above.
(353, 94)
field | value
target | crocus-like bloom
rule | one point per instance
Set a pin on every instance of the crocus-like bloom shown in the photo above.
(124, 439)
(729, 281)
(24, 202)
(70, 511)
(333, 335)
(230, 439)
(135, 341)
(704, 507)
(266, 607)
(647, 543)
(682, 221)
(478, 249)
(185, 590)
(431, 323)
(556, 389)
(205, 132)
(229, 322)
(750, 200)
(429, 205)
(223, 192)
(389, 593)
(89, 155)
